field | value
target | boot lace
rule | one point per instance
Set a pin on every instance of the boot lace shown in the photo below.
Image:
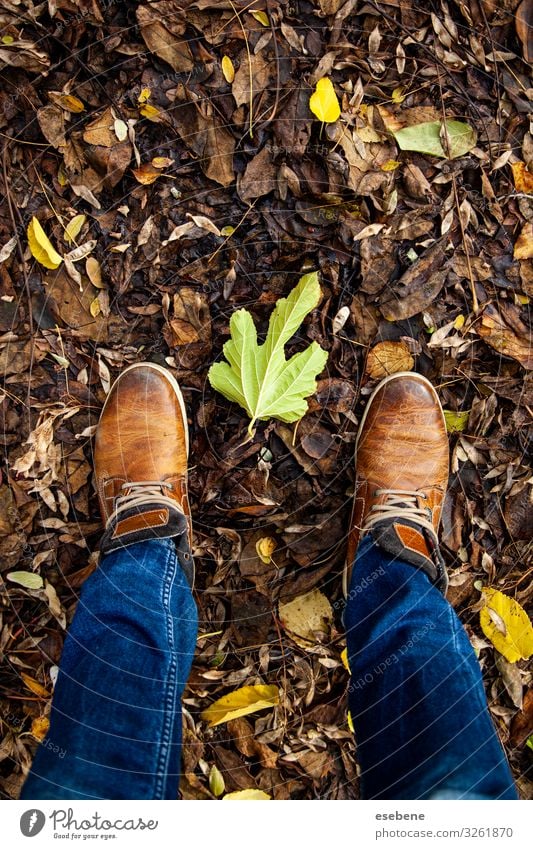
(143, 494)
(399, 504)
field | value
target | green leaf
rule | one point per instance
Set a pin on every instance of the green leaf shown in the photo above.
(258, 377)
(26, 579)
(529, 742)
(426, 138)
(216, 781)
(456, 422)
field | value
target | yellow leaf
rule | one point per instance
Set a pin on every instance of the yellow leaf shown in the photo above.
(324, 102)
(161, 162)
(398, 95)
(216, 781)
(459, 322)
(7, 39)
(390, 165)
(265, 547)
(227, 69)
(388, 358)
(39, 727)
(241, 702)
(71, 103)
(146, 174)
(73, 228)
(62, 178)
(456, 422)
(41, 247)
(507, 625)
(350, 722)
(523, 179)
(227, 231)
(306, 617)
(150, 112)
(256, 795)
(262, 17)
(523, 248)
(344, 658)
(144, 95)
(34, 686)
(94, 272)
(95, 308)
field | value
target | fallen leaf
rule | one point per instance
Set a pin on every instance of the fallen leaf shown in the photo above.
(216, 781)
(523, 179)
(73, 228)
(152, 113)
(305, 617)
(426, 138)
(324, 103)
(101, 131)
(240, 703)
(388, 358)
(252, 795)
(456, 422)
(228, 69)
(39, 727)
(30, 580)
(506, 333)
(162, 27)
(146, 174)
(523, 248)
(512, 680)
(94, 272)
(507, 625)
(34, 686)
(265, 548)
(41, 247)
(258, 377)
(418, 287)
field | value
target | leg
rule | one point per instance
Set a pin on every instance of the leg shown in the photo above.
(416, 696)
(116, 715)
(115, 728)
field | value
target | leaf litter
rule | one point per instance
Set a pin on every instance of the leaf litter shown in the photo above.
(179, 175)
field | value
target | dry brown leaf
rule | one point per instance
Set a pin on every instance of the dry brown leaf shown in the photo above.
(306, 618)
(507, 333)
(418, 286)
(523, 179)
(163, 27)
(388, 358)
(523, 248)
(101, 131)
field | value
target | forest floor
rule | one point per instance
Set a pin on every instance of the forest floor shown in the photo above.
(206, 184)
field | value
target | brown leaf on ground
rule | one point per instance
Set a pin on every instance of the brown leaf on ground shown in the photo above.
(418, 287)
(101, 130)
(388, 358)
(259, 178)
(523, 248)
(507, 333)
(52, 125)
(209, 140)
(244, 735)
(522, 724)
(524, 28)
(74, 307)
(162, 26)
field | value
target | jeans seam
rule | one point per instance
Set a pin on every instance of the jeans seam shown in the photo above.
(170, 695)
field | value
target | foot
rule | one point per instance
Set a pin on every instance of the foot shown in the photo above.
(401, 474)
(140, 461)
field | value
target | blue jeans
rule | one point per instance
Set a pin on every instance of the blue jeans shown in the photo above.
(416, 694)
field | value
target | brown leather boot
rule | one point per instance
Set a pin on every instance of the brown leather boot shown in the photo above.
(401, 475)
(140, 462)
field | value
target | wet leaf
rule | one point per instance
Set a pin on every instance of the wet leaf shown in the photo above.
(324, 103)
(240, 703)
(41, 247)
(307, 617)
(30, 580)
(507, 625)
(251, 795)
(388, 358)
(426, 138)
(258, 377)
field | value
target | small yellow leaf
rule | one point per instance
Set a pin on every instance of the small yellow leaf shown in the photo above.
(216, 781)
(227, 69)
(398, 95)
(390, 165)
(388, 358)
(241, 702)
(456, 422)
(94, 272)
(507, 625)
(344, 658)
(254, 795)
(41, 247)
(62, 178)
(146, 174)
(7, 39)
(39, 727)
(523, 179)
(324, 103)
(144, 96)
(161, 162)
(262, 17)
(227, 231)
(73, 228)
(265, 547)
(150, 112)
(459, 322)
(95, 308)
(71, 103)
(350, 722)
(34, 686)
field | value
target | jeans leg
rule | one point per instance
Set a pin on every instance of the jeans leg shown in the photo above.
(416, 694)
(115, 727)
